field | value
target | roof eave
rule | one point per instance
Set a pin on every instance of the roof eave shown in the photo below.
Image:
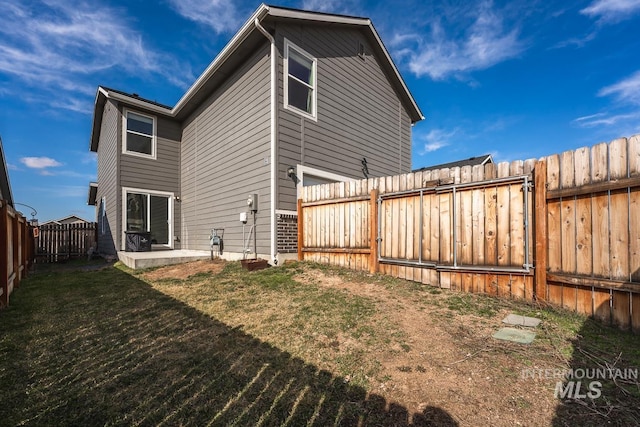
(93, 192)
(226, 52)
(96, 122)
(101, 98)
(5, 185)
(415, 112)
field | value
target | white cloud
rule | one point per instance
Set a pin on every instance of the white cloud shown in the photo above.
(40, 162)
(330, 6)
(626, 90)
(485, 43)
(624, 113)
(57, 46)
(435, 140)
(606, 119)
(220, 15)
(611, 10)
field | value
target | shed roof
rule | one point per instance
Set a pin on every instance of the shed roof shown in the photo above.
(241, 45)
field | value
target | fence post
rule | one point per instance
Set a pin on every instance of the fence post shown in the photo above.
(300, 231)
(15, 231)
(373, 232)
(540, 236)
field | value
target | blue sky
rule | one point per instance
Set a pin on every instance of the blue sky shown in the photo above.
(517, 79)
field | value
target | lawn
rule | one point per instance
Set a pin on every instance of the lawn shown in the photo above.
(208, 343)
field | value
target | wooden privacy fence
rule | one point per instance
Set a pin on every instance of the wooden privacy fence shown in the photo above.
(59, 242)
(563, 229)
(17, 248)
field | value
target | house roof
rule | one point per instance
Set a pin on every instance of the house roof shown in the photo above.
(472, 161)
(5, 185)
(241, 45)
(74, 218)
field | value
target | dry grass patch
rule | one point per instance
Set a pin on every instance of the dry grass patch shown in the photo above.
(208, 343)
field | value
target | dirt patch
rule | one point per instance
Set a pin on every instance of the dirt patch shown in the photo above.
(183, 271)
(449, 361)
(418, 347)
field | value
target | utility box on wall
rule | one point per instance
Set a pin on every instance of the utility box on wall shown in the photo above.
(252, 202)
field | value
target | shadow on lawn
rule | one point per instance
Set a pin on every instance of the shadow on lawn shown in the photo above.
(105, 348)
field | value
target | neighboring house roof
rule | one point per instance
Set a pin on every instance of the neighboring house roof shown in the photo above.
(71, 219)
(5, 185)
(472, 161)
(241, 45)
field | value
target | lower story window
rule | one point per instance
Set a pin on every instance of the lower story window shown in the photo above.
(150, 213)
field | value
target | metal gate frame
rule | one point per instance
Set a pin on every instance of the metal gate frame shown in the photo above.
(527, 185)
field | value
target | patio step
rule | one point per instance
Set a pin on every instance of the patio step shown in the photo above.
(139, 260)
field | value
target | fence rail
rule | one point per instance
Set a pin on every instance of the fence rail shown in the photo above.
(563, 229)
(59, 242)
(16, 242)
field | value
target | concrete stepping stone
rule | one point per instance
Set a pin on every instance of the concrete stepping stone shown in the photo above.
(516, 319)
(520, 336)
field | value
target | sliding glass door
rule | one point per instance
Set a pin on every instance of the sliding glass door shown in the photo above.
(149, 212)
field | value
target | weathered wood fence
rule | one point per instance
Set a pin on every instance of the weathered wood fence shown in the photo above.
(17, 249)
(563, 229)
(60, 242)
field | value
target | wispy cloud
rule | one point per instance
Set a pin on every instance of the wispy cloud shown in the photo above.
(485, 43)
(626, 90)
(220, 15)
(56, 46)
(435, 140)
(331, 6)
(609, 11)
(606, 119)
(624, 111)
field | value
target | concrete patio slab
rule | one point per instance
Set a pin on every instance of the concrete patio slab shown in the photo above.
(139, 260)
(519, 336)
(516, 319)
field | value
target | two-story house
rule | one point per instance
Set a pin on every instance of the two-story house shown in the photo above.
(295, 98)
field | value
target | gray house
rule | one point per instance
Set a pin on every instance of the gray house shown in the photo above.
(295, 98)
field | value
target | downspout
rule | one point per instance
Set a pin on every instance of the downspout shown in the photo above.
(273, 160)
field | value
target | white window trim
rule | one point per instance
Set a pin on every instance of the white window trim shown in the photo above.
(153, 138)
(169, 195)
(103, 215)
(314, 72)
(301, 170)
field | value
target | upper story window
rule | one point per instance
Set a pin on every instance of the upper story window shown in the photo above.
(300, 84)
(139, 134)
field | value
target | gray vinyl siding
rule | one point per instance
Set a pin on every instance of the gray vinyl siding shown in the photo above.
(108, 180)
(224, 146)
(159, 174)
(359, 114)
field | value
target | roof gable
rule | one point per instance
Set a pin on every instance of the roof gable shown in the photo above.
(243, 43)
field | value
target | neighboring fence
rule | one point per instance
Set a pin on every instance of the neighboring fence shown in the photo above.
(60, 242)
(16, 242)
(563, 229)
